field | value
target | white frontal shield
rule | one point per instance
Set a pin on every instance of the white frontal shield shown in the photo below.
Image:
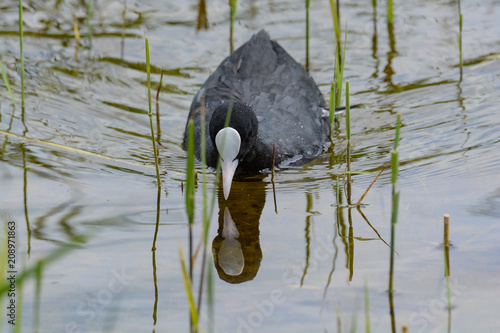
(228, 143)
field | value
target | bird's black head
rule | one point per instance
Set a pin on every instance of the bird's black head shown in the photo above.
(243, 120)
(235, 141)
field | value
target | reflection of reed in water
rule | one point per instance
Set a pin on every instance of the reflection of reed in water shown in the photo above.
(236, 248)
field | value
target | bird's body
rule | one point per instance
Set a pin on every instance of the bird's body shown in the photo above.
(261, 78)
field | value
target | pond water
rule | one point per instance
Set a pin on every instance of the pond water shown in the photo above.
(301, 261)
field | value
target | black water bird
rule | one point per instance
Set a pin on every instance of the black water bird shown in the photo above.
(273, 102)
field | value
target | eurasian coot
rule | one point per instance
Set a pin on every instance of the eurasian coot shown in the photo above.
(273, 101)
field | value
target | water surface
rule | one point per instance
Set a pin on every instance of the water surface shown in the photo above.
(306, 259)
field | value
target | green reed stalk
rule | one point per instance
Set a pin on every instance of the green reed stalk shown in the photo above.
(189, 291)
(274, 161)
(150, 114)
(337, 189)
(460, 41)
(395, 199)
(446, 248)
(348, 129)
(347, 113)
(21, 50)
(190, 174)
(390, 14)
(338, 49)
(343, 63)
(459, 36)
(398, 128)
(205, 216)
(333, 105)
(206, 220)
(210, 299)
(7, 84)
(158, 128)
(308, 3)
(232, 5)
(395, 202)
(339, 68)
(190, 184)
(336, 23)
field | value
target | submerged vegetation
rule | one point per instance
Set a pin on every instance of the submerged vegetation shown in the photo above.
(150, 114)
(459, 36)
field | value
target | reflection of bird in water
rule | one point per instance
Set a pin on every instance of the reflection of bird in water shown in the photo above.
(236, 248)
(273, 102)
(230, 255)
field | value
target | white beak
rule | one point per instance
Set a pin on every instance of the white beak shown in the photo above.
(228, 143)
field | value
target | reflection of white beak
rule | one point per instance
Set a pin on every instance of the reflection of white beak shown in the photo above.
(231, 258)
(228, 143)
